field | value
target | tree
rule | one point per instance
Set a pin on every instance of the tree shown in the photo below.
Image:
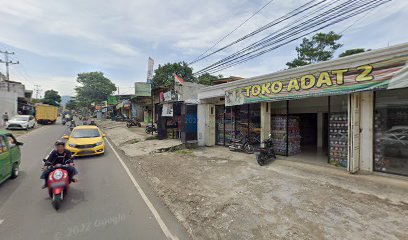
(163, 75)
(207, 79)
(320, 47)
(94, 88)
(52, 97)
(71, 104)
(352, 52)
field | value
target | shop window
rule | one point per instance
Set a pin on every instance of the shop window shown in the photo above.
(255, 124)
(338, 130)
(391, 131)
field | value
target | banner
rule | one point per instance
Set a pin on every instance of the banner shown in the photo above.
(143, 89)
(388, 74)
(167, 110)
(112, 100)
(150, 66)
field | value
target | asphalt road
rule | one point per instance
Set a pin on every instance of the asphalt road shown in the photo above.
(103, 204)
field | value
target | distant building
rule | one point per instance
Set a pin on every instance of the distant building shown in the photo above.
(14, 98)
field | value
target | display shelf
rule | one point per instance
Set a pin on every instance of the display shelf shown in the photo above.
(282, 135)
(338, 139)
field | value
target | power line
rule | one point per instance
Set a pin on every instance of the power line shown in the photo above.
(7, 62)
(305, 7)
(334, 15)
(37, 90)
(235, 29)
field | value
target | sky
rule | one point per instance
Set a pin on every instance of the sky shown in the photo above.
(56, 40)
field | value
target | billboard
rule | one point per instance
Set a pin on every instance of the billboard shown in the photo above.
(150, 66)
(388, 74)
(143, 89)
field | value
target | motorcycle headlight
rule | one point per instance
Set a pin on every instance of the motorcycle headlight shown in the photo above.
(71, 145)
(99, 143)
(58, 175)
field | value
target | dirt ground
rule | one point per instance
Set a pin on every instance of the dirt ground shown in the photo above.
(218, 194)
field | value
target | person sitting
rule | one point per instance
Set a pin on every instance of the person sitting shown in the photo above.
(59, 156)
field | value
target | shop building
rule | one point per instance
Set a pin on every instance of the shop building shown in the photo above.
(351, 112)
(177, 112)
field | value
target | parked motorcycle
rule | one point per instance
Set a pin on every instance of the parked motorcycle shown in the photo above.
(241, 144)
(266, 153)
(58, 185)
(150, 128)
(133, 122)
(119, 118)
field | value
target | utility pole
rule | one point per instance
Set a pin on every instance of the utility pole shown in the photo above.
(7, 62)
(37, 90)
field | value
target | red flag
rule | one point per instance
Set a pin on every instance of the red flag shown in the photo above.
(178, 79)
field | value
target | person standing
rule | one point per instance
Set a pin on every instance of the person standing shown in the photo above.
(5, 118)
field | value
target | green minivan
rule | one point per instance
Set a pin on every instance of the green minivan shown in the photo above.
(10, 156)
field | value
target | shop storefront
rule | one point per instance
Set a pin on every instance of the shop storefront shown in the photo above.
(350, 112)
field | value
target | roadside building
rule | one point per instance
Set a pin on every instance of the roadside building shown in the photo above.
(15, 98)
(351, 112)
(177, 112)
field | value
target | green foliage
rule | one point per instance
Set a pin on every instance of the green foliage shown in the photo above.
(207, 79)
(352, 52)
(52, 97)
(94, 87)
(320, 47)
(163, 75)
(71, 104)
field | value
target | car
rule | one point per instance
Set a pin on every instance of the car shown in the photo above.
(10, 156)
(21, 122)
(85, 141)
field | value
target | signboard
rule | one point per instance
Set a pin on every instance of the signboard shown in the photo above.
(170, 96)
(167, 110)
(150, 66)
(143, 89)
(112, 100)
(388, 74)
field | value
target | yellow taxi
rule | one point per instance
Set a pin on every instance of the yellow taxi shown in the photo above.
(85, 141)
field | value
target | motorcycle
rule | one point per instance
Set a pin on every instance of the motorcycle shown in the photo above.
(119, 118)
(64, 121)
(133, 122)
(58, 185)
(266, 153)
(151, 128)
(241, 144)
(72, 125)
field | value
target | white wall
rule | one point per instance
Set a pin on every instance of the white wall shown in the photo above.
(366, 134)
(201, 129)
(8, 103)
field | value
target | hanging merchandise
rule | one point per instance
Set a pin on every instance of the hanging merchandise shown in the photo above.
(280, 132)
(219, 119)
(338, 139)
(229, 125)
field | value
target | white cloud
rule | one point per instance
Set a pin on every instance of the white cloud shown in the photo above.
(121, 34)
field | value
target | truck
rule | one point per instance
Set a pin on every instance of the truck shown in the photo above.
(46, 114)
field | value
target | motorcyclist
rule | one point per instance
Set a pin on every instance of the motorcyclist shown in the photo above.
(72, 124)
(59, 156)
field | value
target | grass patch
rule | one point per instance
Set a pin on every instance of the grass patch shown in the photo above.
(134, 141)
(183, 151)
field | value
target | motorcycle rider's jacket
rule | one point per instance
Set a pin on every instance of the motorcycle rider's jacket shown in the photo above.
(59, 158)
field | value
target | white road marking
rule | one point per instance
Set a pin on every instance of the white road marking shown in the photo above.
(1, 221)
(156, 215)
